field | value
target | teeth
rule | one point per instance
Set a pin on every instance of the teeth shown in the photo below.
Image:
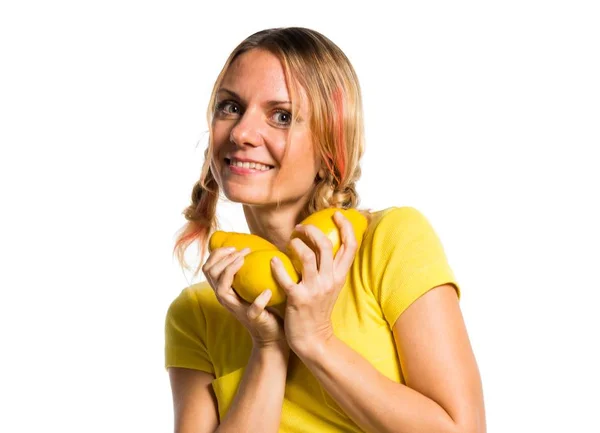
(252, 165)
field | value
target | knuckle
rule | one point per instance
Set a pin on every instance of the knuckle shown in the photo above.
(339, 281)
(229, 272)
(306, 256)
(308, 227)
(326, 284)
(351, 242)
(296, 243)
(301, 302)
(226, 272)
(222, 289)
(254, 312)
(219, 297)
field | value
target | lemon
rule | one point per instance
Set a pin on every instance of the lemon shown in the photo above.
(255, 276)
(240, 241)
(324, 221)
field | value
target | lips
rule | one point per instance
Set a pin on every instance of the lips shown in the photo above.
(253, 165)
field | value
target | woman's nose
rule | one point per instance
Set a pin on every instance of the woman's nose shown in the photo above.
(247, 131)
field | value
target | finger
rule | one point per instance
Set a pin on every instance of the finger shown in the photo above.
(236, 304)
(224, 292)
(281, 276)
(306, 257)
(258, 306)
(323, 245)
(345, 255)
(216, 256)
(218, 267)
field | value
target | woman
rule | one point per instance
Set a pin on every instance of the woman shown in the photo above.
(371, 340)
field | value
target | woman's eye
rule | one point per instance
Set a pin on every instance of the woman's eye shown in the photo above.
(228, 107)
(282, 117)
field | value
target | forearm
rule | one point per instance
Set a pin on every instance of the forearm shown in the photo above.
(370, 399)
(259, 399)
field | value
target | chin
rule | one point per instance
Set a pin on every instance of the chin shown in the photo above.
(245, 196)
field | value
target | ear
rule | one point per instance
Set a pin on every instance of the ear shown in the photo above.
(321, 173)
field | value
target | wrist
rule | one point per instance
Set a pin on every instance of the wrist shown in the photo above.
(312, 350)
(271, 349)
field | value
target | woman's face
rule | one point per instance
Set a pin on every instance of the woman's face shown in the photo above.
(251, 128)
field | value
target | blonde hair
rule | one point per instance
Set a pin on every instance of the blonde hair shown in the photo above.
(318, 66)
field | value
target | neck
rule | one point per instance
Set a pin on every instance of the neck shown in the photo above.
(274, 224)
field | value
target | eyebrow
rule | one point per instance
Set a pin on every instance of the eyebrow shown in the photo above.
(269, 103)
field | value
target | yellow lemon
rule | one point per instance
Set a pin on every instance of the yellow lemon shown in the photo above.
(324, 221)
(255, 276)
(240, 241)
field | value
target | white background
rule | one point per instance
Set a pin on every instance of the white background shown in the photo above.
(485, 116)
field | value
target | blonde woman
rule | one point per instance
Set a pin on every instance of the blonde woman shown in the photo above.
(371, 340)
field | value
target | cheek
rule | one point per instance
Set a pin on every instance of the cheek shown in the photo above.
(302, 152)
(220, 138)
(220, 132)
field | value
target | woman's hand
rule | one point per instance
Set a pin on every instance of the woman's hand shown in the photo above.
(311, 301)
(264, 327)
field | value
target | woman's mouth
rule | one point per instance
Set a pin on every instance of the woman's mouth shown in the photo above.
(239, 167)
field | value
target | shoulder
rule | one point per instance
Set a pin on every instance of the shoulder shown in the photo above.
(390, 234)
(403, 236)
(194, 294)
(395, 212)
(186, 332)
(387, 224)
(197, 300)
(401, 257)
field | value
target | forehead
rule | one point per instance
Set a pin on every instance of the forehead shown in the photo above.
(258, 74)
(256, 71)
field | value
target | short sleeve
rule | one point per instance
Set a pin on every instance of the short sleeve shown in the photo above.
(405, 259)
(185, 334)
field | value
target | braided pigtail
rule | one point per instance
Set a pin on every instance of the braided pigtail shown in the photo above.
(201, 217)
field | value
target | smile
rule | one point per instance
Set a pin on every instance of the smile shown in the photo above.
(254, 166)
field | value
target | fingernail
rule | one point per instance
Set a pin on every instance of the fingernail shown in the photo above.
(230, 249)
(267, 293)
(245, 250)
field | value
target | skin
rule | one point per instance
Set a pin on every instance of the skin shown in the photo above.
(262, 134)
(431, 337)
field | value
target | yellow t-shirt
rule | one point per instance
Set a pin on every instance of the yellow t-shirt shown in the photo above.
(399, 260)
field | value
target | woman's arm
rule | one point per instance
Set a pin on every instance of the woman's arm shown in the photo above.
(443, 391)
(256, 406)
(194, 402)
(259, 399)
